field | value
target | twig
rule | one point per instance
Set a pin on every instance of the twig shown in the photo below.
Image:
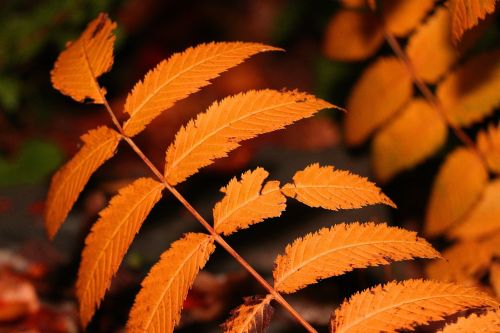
(276, 295)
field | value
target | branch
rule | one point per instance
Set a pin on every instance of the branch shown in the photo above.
(277, 296)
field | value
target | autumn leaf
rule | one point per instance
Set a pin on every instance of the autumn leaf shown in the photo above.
(457, 187)
(352, 35)
(470, 93)
(398, 306)
(318, 186)
(181, 75)
(253, 316)
(415, 134)
(110, 239)
(383, 88)
(247, 202)
(431, 63)
(466, 14)
(157, 306)
(99, 145)
(342, 248)
(401, 17)
(77, 68)
(219, 130)
(484, 218)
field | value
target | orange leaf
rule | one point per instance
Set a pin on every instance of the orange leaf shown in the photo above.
(431, 63)
(484, 218)
(383, 88)
(398, 306)
(401, 17)
(158, 305)
(342, 248)
(457, 187)
(485, 323)
(253, 316)
(325, 187)
(181, 75)
(466, 14)
(248, 202)
(99, 145)
(219, 130)
(488, 142)
(110, 239)
(77, 68)
(352, 35)
(413, 136)
(470, 93)
(464, 262)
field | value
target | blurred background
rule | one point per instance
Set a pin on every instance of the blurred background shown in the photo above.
(40, 130)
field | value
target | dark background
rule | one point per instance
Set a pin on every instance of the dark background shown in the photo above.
(40, 129)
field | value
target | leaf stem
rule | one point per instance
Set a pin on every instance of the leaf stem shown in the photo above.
(426, 92)
(277, 296)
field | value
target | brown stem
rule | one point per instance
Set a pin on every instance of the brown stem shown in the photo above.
(426, 92)
(277, 296)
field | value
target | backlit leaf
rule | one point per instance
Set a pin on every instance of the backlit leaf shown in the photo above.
(457, 187)
(415, 134)
(318, 186)
(219, 130)
(383, 88)
(398, 306)
(342, 248)
(352, 35)
(181, 75)
(470, 93)
(99, 145)
(157, 307)
(110, 239)
(77, 68)
(466, 14)
(247, 202)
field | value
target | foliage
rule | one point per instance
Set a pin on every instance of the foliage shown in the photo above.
(213, 134)
(459, 88)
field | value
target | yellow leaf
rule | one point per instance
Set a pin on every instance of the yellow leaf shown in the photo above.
(485, 323)
(253, 316)
(248, 202)
(181, 75)
(77, 68)
(401, 17)
(342, 248)
(99, 145)
(470, 93)
(495, 278)
(403, 305)
(457, 187)
(110, 239)
(466, 14)
(484, 218)
(157, 307)
(431, 63)
(219, 130)
(488, 142)
(464, 262)
(352, 35)
(415, 134)
(325, 187)
(383, 88)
